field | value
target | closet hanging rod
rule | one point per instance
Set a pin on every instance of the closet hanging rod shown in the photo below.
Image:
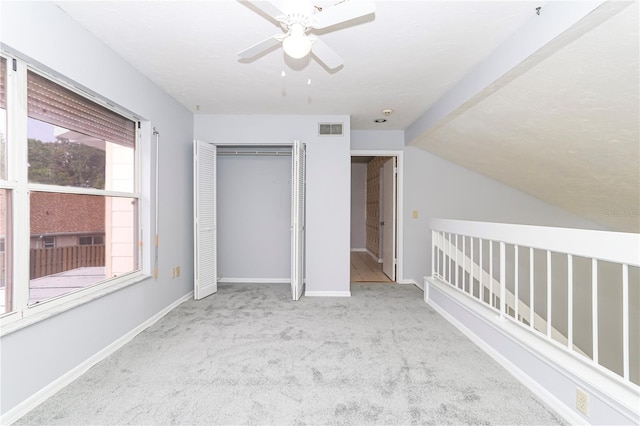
(266, 153)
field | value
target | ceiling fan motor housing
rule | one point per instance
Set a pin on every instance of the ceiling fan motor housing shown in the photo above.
(297, 18)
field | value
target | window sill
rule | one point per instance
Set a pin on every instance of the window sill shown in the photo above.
(15, 321)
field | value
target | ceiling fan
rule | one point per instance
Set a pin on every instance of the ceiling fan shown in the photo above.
(298, 18)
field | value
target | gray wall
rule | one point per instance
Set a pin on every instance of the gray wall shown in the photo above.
(440, 189)
(254, 216)
(377, 140)
(42, 32)
(358, 205)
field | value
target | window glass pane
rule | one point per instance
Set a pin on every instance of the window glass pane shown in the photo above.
(5, 245)
(85, 241)
(3, 118)
(68, 265)
(58, 156)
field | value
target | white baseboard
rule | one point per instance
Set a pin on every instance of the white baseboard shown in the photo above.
(255, 280)
(359, 250)
(551, 373)
(327, 293)
(533, 386)
(43, 394)
(373, 256)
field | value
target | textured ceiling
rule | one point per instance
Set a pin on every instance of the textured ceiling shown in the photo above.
(404, 58)
(564, 128)
(561, 126)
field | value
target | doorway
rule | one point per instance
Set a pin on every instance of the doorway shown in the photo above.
(375, 216)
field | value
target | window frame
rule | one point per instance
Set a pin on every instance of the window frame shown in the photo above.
(17, 183)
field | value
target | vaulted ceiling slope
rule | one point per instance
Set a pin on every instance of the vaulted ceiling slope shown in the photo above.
(561, 126)
(564, 125)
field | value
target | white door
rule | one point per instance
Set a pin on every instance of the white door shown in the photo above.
(389, 175)
(297, 219)
(204, 203)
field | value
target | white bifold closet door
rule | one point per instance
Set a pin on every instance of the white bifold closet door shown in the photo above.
(205, 250)
(297, 219)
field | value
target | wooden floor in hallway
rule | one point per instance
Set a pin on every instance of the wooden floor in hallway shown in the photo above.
(365, 268)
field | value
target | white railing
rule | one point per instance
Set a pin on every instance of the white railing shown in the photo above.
(544, 279)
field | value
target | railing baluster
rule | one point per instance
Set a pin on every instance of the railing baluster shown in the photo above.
(491, 273)
(549, 298)
(457, 272)
(464, 259)
(515, 289)
(433, 253)
(625, 321)
(440, 254)
(503, 304)
(594, 307)
(570, 300)
(449, 258)
(472, 269)
(531, 291)
(481, 283)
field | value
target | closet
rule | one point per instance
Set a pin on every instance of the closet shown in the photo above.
(248, 215)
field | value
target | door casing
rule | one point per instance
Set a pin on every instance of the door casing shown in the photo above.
(399, 206)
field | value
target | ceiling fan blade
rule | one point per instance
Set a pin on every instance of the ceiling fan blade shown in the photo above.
(260, 47)
(325, 54)
(345, 11)
(266, 7)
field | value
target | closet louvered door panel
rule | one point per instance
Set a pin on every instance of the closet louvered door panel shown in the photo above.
(205, 241)
(297, 219)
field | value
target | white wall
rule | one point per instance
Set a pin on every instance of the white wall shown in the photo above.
(254, 216)
(42, 33)
(358, 206)
(327, 185)
(437, 188)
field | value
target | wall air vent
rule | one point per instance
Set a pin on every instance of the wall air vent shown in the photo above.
(330, 129)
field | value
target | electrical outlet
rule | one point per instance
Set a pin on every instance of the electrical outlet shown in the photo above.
(177, 271)
(582, 401)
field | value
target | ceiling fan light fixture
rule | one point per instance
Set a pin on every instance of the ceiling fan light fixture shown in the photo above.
(297, 44)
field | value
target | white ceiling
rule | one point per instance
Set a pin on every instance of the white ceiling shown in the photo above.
(404, 58)
(562, 126)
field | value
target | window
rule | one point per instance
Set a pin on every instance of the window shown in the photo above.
(78, 216)
(5, 199)
(3, 119)
(91, 241)
(49, 242)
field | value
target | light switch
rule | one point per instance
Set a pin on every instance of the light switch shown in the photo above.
(415, 214)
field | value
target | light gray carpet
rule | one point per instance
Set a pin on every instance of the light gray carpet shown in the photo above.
(250, 355)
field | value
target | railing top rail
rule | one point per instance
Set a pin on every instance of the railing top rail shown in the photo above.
(619, 247)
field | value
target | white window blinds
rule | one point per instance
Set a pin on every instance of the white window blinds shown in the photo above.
(54, 104)
(3, 83)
